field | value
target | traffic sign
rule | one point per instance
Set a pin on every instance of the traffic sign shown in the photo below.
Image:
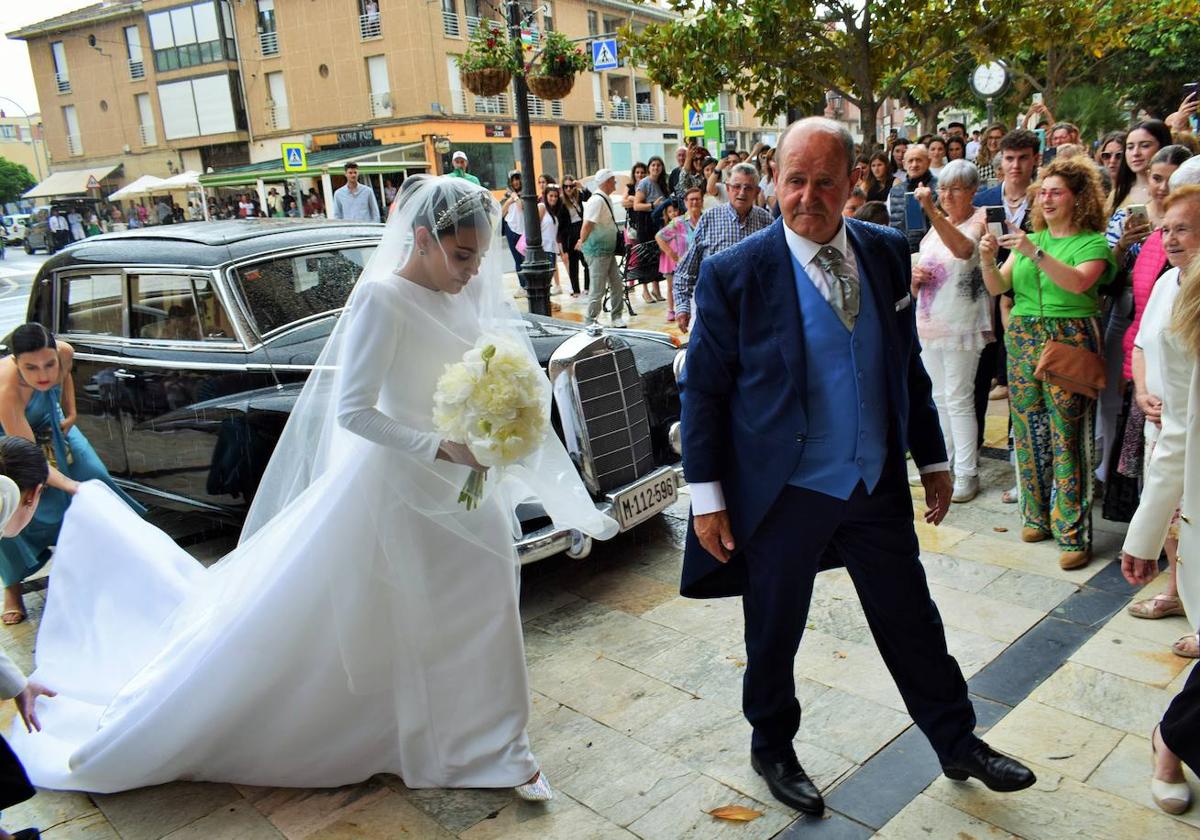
(92, 183)
(294, 159)
(693, 122)
(604, 54)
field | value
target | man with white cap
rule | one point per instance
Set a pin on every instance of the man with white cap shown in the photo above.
(598, 244)
(460, 167)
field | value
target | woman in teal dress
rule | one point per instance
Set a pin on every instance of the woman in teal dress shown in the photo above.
(37, 402)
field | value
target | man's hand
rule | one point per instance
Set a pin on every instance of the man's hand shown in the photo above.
(715, 533)
(682, 319)
(25, 705)
(938, 489)
(1138, 570)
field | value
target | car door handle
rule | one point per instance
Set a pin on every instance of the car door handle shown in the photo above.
(123, 374)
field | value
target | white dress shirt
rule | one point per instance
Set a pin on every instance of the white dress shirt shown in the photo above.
(707, 496)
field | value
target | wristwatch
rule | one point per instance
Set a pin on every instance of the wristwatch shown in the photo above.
(1038, 253)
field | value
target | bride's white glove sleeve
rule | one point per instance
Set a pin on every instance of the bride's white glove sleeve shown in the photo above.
(376, 324)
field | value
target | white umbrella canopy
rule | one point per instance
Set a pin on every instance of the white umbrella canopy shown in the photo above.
(142, 186)
(189, 180)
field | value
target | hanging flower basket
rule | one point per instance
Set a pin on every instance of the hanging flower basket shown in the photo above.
(490, 81)
(551, 87)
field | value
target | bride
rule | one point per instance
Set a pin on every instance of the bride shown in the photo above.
(367, 622)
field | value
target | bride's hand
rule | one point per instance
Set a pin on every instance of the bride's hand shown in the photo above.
(458, 453)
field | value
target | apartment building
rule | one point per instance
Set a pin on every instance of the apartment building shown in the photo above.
(159, 86)
(22, 140)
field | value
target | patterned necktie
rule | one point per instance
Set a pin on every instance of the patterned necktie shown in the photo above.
(845, 293)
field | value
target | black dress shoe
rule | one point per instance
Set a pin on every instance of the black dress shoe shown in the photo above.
(999, 772)
(789, 783)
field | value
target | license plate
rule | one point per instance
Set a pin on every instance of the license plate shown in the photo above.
(643, 500)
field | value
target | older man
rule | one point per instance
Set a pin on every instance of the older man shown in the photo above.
(719, 227)
(598, 243)
(681, 156)
(803, 389)
(916, 167)
(1064, 133)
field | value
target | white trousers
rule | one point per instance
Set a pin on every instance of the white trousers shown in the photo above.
(952, 373)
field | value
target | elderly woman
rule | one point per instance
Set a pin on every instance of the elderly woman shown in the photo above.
(1174, 473)
(1054, 274)
(954, 314)
(1181, 242)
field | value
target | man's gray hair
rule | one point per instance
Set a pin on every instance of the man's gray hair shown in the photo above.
(1187, 173)
(959, 173)
(744, 169)
(823, 125)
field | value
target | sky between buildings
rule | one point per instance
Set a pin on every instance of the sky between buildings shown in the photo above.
(16, 77)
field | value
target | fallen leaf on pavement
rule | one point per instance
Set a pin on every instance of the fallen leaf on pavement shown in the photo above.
(1000, 529)
(840, 654)
(735, 813)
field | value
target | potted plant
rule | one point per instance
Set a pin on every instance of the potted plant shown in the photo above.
(551, 73)
(487, 64)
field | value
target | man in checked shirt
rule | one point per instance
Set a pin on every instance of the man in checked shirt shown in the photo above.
(719, 228)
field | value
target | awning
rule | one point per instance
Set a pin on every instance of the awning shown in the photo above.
(189, 180)
(72, 182)
(145, 185)
(393, 158)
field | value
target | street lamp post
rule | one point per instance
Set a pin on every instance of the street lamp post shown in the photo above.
(32, 137)
(538, 266)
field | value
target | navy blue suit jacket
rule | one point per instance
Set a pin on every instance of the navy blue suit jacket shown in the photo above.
(744, 385)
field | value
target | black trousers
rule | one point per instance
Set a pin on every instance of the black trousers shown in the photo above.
(872, 535)
(575, 259)
(62, 239)
(1180, 725)
(14, 784)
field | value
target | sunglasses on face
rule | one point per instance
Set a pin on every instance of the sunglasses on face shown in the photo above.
(1111, 155)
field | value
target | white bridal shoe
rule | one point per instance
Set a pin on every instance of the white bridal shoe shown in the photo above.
(536, 791)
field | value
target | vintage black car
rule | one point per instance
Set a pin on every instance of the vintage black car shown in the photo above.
(193, 341)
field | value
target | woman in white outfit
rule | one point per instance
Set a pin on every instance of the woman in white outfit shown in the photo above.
(366, 623)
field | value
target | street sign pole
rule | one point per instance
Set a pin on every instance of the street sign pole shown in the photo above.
(538, 266)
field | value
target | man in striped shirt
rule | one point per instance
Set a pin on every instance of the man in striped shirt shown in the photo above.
(719, 228)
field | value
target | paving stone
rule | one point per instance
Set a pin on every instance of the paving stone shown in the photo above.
(1090, 607)
(538, 600)
(684, 815)
(1028, 589)
(836, 611)
(850, 725)
(92, 827)
(717, 620)
(1027, 662)
(1114, 701)
(238, 821)
(626, 590)
(930, 819)
(955, 573)
(539, 644)
(150, 813)
(1072, 745)
(1058, 808)
(854, 668)
(560, 819)
(829, 826)
(976, 612)
(384, 818)
(1126, 773)
(614, 634)
(701, 669)
(1176, 685)
(883, 786)
(1039, 558)
(971, 650)
(455, 810)
(49, 808)
(941, 538)
(297, 812)
(1109, 578)
(1147, 662)
(1161, 631)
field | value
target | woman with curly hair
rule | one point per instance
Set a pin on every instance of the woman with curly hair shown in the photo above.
(1055, 274)
(989, 149)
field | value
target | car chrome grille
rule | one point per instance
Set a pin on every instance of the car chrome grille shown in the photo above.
(614, 414)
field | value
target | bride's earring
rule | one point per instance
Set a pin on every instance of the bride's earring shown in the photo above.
(421, 252)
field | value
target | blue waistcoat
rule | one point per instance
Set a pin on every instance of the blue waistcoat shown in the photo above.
(847, 394)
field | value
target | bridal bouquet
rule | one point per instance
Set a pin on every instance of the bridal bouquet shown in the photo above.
(493, 401)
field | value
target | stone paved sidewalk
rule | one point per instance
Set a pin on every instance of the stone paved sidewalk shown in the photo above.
(636, 719)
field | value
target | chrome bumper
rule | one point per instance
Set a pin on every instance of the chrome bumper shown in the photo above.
(551, 540)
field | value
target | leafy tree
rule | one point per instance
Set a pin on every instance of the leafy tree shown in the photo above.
(778, 54)
(15, 179)
(1152, 70)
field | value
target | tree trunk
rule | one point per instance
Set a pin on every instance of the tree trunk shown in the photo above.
(868, 109)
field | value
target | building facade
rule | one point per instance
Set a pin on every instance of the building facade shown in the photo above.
(22, 141)
(161, 86)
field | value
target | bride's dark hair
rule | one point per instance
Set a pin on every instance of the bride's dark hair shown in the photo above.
(445, 204)
(23, 461)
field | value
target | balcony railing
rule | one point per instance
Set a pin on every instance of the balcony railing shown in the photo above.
(537, 106)
(381, 104)
(598, 110)
(368, 26)
(645, 112)
(450, 24)
(74, 144)
(146, 133)
(619, 112)
(556, 109)
(64, 83)
(732, 117)
(277, 117)
(473, 24)
(492, 104)
(458, 101)
(268, 42)
(137, 70)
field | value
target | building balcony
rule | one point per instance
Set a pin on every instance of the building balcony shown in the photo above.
(268, 43)
(450, 24)
(537, 106)
(473, 24)
(381, 104)
(74, 144)
(369, 26)
(492, 104)
(732, 118)
(645, 112)
(278, 118)
(556, 109)
(147, 135)
(619, 112)
(63, 83)
(137, 69)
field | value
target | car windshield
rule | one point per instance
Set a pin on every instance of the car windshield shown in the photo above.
(287, 289)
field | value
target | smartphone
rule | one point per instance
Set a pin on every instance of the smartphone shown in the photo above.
(996, 221)
(1041, 133)
(914, 216)
(1135, 214)
(1190, 89)
(1049, 155)
(1037, 99)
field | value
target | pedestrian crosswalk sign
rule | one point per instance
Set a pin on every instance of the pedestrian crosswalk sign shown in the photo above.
(604, 54)
(294, 159)
(695, 123)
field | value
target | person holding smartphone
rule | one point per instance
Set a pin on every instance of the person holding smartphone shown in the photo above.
(916, 169)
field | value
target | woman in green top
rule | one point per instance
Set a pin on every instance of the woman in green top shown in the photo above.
(1055, 274)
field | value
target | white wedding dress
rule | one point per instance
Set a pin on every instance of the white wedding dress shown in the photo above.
(369, 626)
